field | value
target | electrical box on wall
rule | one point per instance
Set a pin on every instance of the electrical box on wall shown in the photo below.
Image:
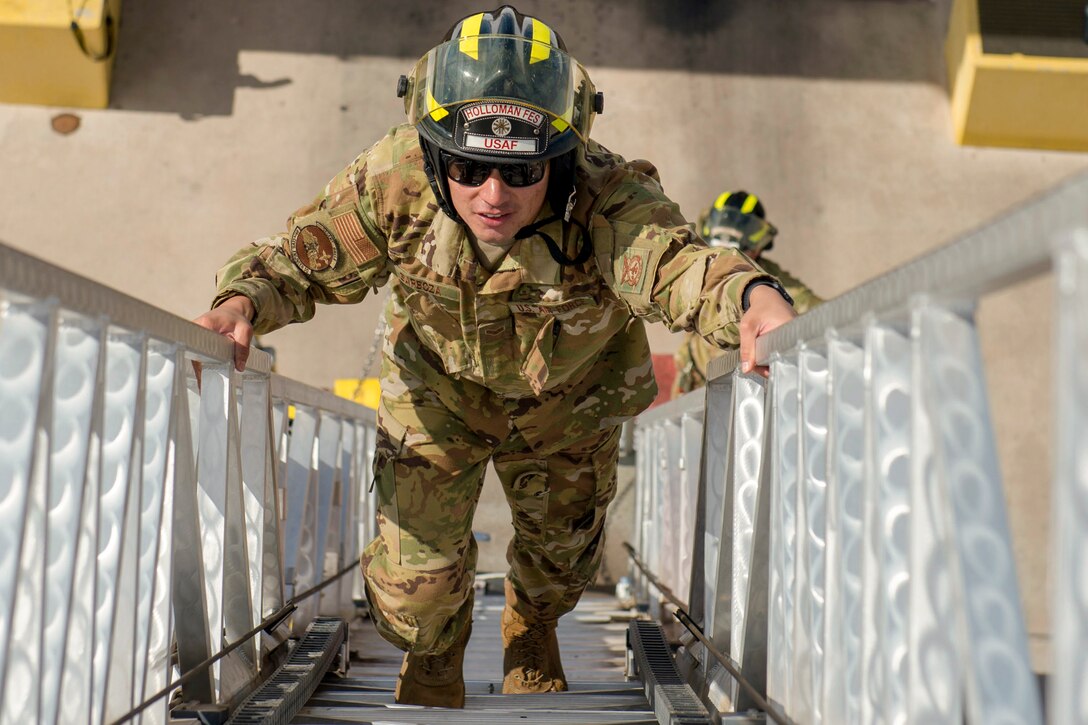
(58, 52)
(1018, 73)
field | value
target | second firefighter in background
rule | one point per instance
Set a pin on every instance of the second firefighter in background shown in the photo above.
(735, 220)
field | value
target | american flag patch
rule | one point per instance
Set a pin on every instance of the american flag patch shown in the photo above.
(354, 239)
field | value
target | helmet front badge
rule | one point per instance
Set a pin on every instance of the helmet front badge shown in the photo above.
(500, 128)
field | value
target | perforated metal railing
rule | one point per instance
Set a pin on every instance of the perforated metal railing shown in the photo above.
(851, 552)
(146, 523)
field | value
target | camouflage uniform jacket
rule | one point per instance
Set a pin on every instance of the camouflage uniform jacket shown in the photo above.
(694, 354)
(555, 343)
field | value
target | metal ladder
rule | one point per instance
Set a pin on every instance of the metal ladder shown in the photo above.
(154, 534)
(619, 668)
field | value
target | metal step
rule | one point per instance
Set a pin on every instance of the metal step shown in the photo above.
(370, 700)
(282, 694)
(592, 640)
(673, 700)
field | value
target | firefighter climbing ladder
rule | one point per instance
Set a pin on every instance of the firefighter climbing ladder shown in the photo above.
(834, 537)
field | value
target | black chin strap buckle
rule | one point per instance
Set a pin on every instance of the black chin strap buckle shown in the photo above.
(570, 204)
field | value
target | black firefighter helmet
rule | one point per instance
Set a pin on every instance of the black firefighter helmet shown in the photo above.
(500, 87)
(737, 219)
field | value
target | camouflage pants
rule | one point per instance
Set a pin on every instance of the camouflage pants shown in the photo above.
(429, 468)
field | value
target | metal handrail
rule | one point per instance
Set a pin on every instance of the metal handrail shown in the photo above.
(33, 278)
(142, 510)
(842, 503)
(266, 625)
(1014, 247)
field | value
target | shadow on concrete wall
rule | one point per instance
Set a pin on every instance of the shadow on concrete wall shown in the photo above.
(183, 57)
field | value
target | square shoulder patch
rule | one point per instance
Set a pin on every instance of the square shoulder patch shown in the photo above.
(631, 269)
(351, 235)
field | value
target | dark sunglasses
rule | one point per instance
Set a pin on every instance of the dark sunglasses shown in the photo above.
(473, 173)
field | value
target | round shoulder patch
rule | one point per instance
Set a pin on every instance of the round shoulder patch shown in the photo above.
(313, 249)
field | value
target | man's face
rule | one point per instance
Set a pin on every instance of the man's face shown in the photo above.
(732, 240)
(494, 211)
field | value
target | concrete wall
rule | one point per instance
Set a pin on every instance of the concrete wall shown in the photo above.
(226, 117)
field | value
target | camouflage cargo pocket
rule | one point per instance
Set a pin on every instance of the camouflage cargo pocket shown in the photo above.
(386, 450)
(589, 478)
(435, 313)
(538, 326)
(528, 497)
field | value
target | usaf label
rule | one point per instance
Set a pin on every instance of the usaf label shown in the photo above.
(552, 308)
(491, 143)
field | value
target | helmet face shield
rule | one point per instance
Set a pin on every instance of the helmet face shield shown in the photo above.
(500, 95)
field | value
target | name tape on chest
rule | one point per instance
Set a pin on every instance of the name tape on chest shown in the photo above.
(425, 285)
(554, 308)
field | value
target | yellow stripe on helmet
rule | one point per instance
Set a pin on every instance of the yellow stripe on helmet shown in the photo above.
(749, 204)
(436, 111)
(542, 42)
(719, 203)
(562, 123)
(470, 36)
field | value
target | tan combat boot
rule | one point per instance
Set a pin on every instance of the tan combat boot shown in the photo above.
(434, 680)
(530, 656)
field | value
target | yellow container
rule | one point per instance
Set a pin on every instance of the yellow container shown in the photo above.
(1017, 100)
(367, 391)
(41, 55)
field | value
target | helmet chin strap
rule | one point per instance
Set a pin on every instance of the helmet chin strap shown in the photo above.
(570, 203)
(440, 193)
(553, 248)
(562, 203)
(560, 258)
(440, 187)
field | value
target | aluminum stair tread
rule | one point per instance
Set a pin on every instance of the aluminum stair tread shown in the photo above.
(592, 640)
